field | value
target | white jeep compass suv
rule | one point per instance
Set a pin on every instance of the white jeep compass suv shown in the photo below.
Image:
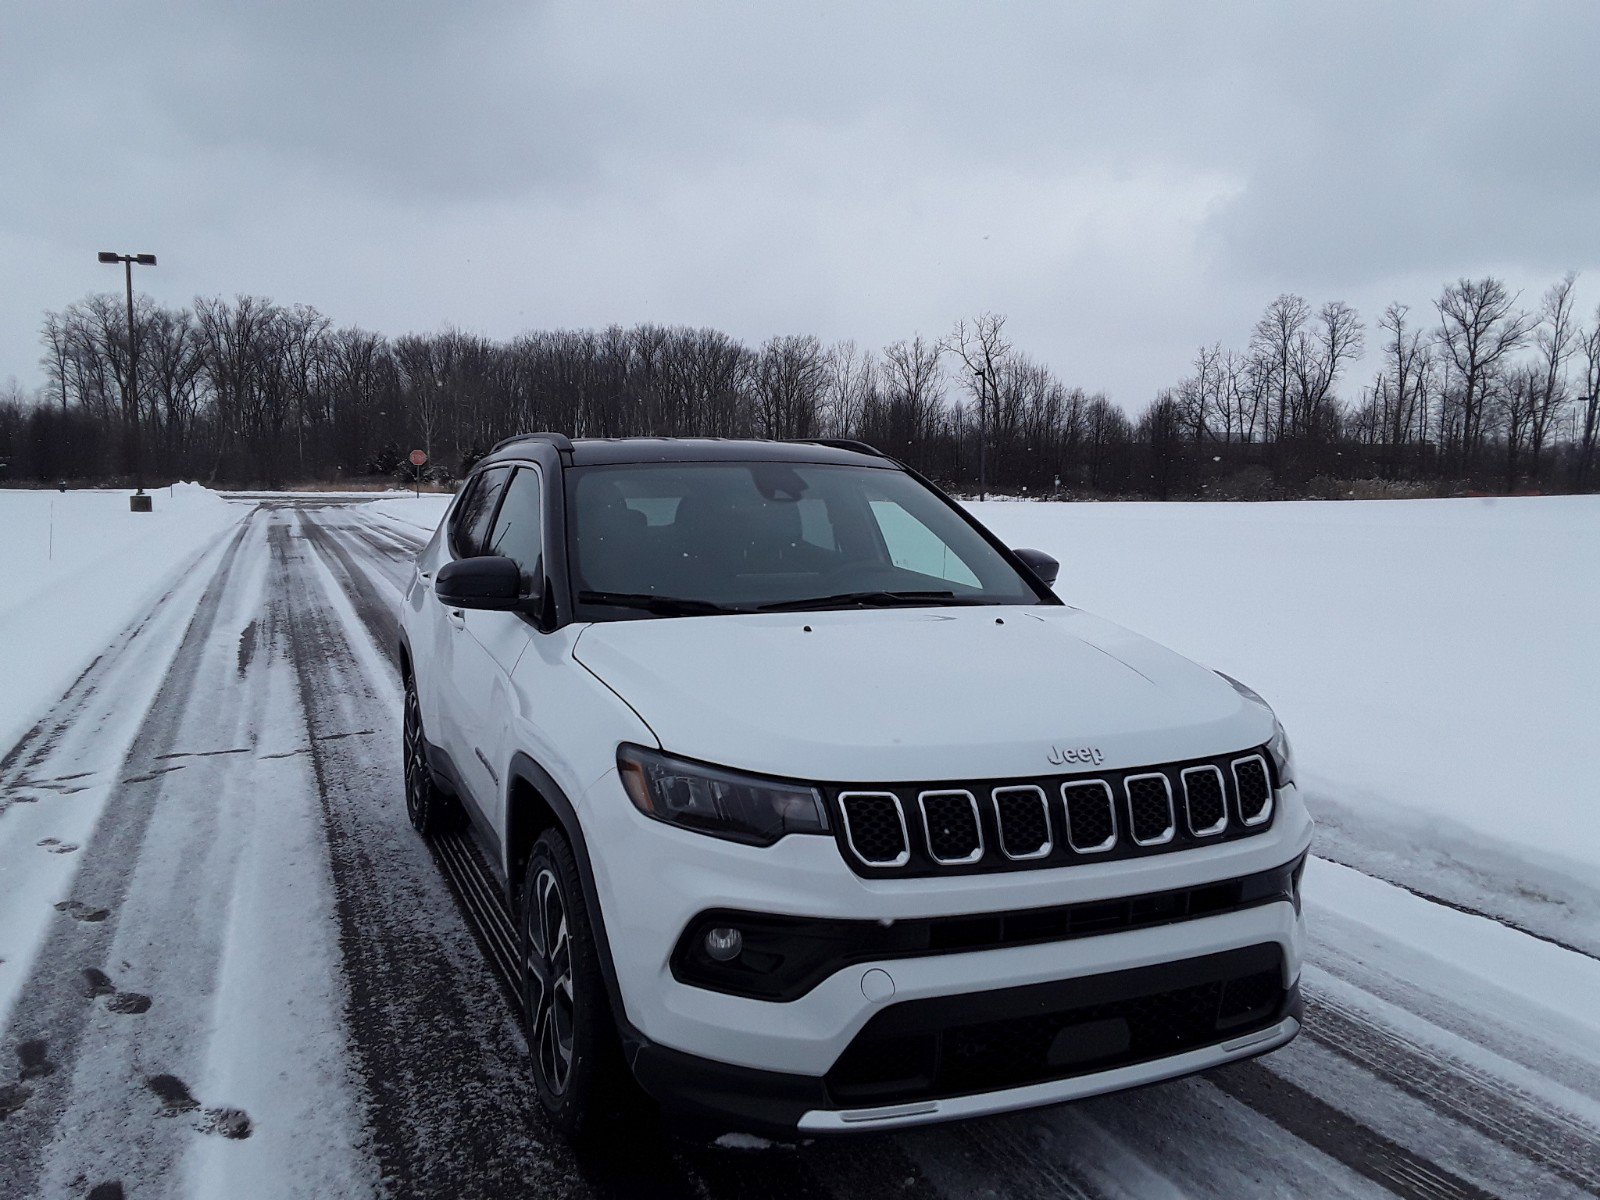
(818, 811)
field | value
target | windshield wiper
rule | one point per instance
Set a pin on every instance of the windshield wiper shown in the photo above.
(875, 599)
(666, 606)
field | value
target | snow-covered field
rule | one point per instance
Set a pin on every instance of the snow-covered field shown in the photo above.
(80, 567)
(227, 966)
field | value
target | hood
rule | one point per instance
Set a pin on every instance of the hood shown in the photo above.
(917, 694)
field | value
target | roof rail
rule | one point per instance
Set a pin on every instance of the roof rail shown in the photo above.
(841, 444)
(560, 441)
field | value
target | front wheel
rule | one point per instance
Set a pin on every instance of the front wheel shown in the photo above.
(427, 806)
(577, 1069)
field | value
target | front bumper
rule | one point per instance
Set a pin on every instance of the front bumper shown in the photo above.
(784, 1049)
(711, 1097)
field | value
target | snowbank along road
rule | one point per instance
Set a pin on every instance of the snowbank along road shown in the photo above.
(231, 969)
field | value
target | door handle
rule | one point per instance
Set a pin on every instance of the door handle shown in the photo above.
(458, 617)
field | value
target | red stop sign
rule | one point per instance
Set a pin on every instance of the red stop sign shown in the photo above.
(418, 458)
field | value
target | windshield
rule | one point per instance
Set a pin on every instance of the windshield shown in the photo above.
(689, 538)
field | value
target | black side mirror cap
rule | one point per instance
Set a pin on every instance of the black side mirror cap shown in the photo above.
(1041, 564)
(489, 582)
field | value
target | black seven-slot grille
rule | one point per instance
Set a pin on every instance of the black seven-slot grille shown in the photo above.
(1051, 821)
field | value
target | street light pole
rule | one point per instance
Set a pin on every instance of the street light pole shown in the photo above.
(983, 436)
(130, 388)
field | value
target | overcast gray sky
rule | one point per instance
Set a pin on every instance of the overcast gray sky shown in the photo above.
(1125, 181)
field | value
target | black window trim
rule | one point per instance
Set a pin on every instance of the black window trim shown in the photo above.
(538, 474)
(473, 482)
(1045, 596)
(552, 522)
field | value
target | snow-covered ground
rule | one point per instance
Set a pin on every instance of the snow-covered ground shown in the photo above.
(228, 967)
(421, 513)
(80, 566)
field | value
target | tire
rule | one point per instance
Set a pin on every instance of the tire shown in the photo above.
(572, 1046)
(428, 807)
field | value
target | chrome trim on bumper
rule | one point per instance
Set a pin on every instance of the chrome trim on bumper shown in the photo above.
(926, 1112)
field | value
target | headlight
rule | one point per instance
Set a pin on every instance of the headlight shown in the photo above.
(1278, 747)
(725, 804)
(1282, 753)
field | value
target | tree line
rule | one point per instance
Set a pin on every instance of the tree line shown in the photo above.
(1478, 394)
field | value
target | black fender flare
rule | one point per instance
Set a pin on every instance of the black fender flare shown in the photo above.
(525, 770)
(406, 662)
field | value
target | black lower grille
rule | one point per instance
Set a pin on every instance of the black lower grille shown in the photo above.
(924, 1049)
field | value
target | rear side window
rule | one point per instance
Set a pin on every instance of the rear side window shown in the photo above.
(469, 527)
(517, 533)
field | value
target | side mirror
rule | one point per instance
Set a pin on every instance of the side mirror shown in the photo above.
(490, 583)
(1041, 564)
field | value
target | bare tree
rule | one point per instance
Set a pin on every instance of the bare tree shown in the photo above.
(791, 378)
(1317, 357)
(903, 413)
(1558, 338)
(1590, 413)
(1272, 344)
(982, 348)
(1513, 397)
(852, 378)
(58, 354)
(1404, 379)
(1478, 326)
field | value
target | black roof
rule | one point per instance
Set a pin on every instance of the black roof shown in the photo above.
(587, 452)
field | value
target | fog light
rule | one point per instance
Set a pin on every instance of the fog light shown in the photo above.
(724, 944)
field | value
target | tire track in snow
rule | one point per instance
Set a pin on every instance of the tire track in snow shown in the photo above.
(21, 763)
(54, 1007)
(1557, 1141)
(1364, 1150)
(451, 1110)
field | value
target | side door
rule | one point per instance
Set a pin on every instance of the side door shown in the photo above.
(492, 645)
(432, 629)
(457, 657)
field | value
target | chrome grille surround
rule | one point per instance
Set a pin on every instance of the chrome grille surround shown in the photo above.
(1170, 829)
(1265, 813)
(993, 825)
(1021, 791)
(961, 860)
(900, 859)
(1085, 787)
(1221, 823)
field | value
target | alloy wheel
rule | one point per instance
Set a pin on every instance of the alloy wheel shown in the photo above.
(417, 780)
(551, 1009)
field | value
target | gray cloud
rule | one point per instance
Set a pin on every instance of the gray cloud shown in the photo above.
(1126, 181)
